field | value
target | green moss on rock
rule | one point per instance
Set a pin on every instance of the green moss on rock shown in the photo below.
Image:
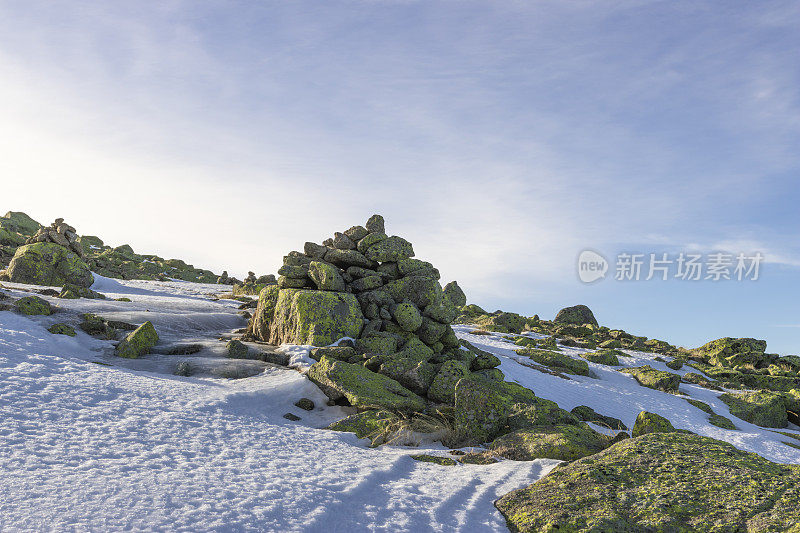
(557, 361)
(578, 315)
(363, 388)
(762, 408)
(651, 423)
(563, 442)
(366, 425)
(435, 459)
(647, 376)
(602, 357)
(62, 329)
(311, 317)
(138, 342)
(45, 263)
(33, 305)
(660, 482)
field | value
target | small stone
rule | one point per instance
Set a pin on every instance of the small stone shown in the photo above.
(33, 305)
(305, 404)
(408, 316)
(292, 417)
(236, 350)
(375, 224)
(343, 242)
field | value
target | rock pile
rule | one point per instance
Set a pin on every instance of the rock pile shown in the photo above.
(59, 233)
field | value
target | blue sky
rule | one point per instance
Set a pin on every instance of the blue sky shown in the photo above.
(501, 138)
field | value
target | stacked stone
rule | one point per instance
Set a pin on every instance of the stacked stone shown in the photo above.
(367, 285)
(59, 233)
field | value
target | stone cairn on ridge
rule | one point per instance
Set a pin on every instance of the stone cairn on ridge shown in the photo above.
(366, 285)
(59, 233)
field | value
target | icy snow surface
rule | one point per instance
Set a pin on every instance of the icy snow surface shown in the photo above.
(86, 446)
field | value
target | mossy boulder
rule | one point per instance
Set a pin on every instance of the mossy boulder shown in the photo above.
(408, 316)
(236, 349)
(484, 361)
(362, 388)
(62, 329)
(762, 408)
(720, 421)
(19, 222)
(587, 414)
(651, 423)
(390, 249)
(486, 408)
(729, 352)
(557, 361)
(563, 442)
(414, 373)
(138, 342)
(33, 305)
(312, 317)
(10, 238)
(455, 294)
(259, 326)
(602, 357)
(73, 292)
(649, 377)
(46, 263)
(577, 314)
(369, 424)
(97, 326)
(326, 276)
(660, 482)
(443, 387)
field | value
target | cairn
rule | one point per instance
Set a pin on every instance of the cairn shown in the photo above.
(59, 233)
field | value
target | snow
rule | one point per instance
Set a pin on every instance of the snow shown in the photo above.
(87, 446)
(126, 445)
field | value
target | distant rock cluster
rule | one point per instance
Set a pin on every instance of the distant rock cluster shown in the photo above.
(61, 233)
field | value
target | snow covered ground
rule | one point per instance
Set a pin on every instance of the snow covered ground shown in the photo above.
(87, 446)
(84, 446)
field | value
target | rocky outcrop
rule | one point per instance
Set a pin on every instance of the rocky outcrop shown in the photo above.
(138, 342)
(47, 263)
(59, 233)
(651, 483)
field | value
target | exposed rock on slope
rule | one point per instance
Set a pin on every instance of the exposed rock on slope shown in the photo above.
(660, 482)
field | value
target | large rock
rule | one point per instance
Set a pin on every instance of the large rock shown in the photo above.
(19, 223)
(562, 442)
(392, 248)
(45, 263)
(762, 408)
(259, 326)
(649, 377)
(326, 276)
(455, 294)
(138, 342)
(312, 317)
(419, 290)
(660, 482)
(651, 423)
(730, 352)
(577, 314)
(33, 305)
(362, 388)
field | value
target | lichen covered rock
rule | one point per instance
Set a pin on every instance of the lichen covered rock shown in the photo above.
(660, 482)
(138, 342)
(46, 263)
(577, 314)
(762, 408)
(62, 329)
(33, 305)
(362, 388)
(314, 317)
(651, 423)
(455, 294)
(649, 377)
(563, 442)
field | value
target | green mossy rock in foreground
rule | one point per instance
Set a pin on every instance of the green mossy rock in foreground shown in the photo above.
(587, 414)
(258, 327)
(661, 482)
(33, 305)
(361, 387)
(602, 357)
(762, 408)
(318, 318)
(45, 263)
(651, 423)
(649, 377)
(563, 442)
(138, 342)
